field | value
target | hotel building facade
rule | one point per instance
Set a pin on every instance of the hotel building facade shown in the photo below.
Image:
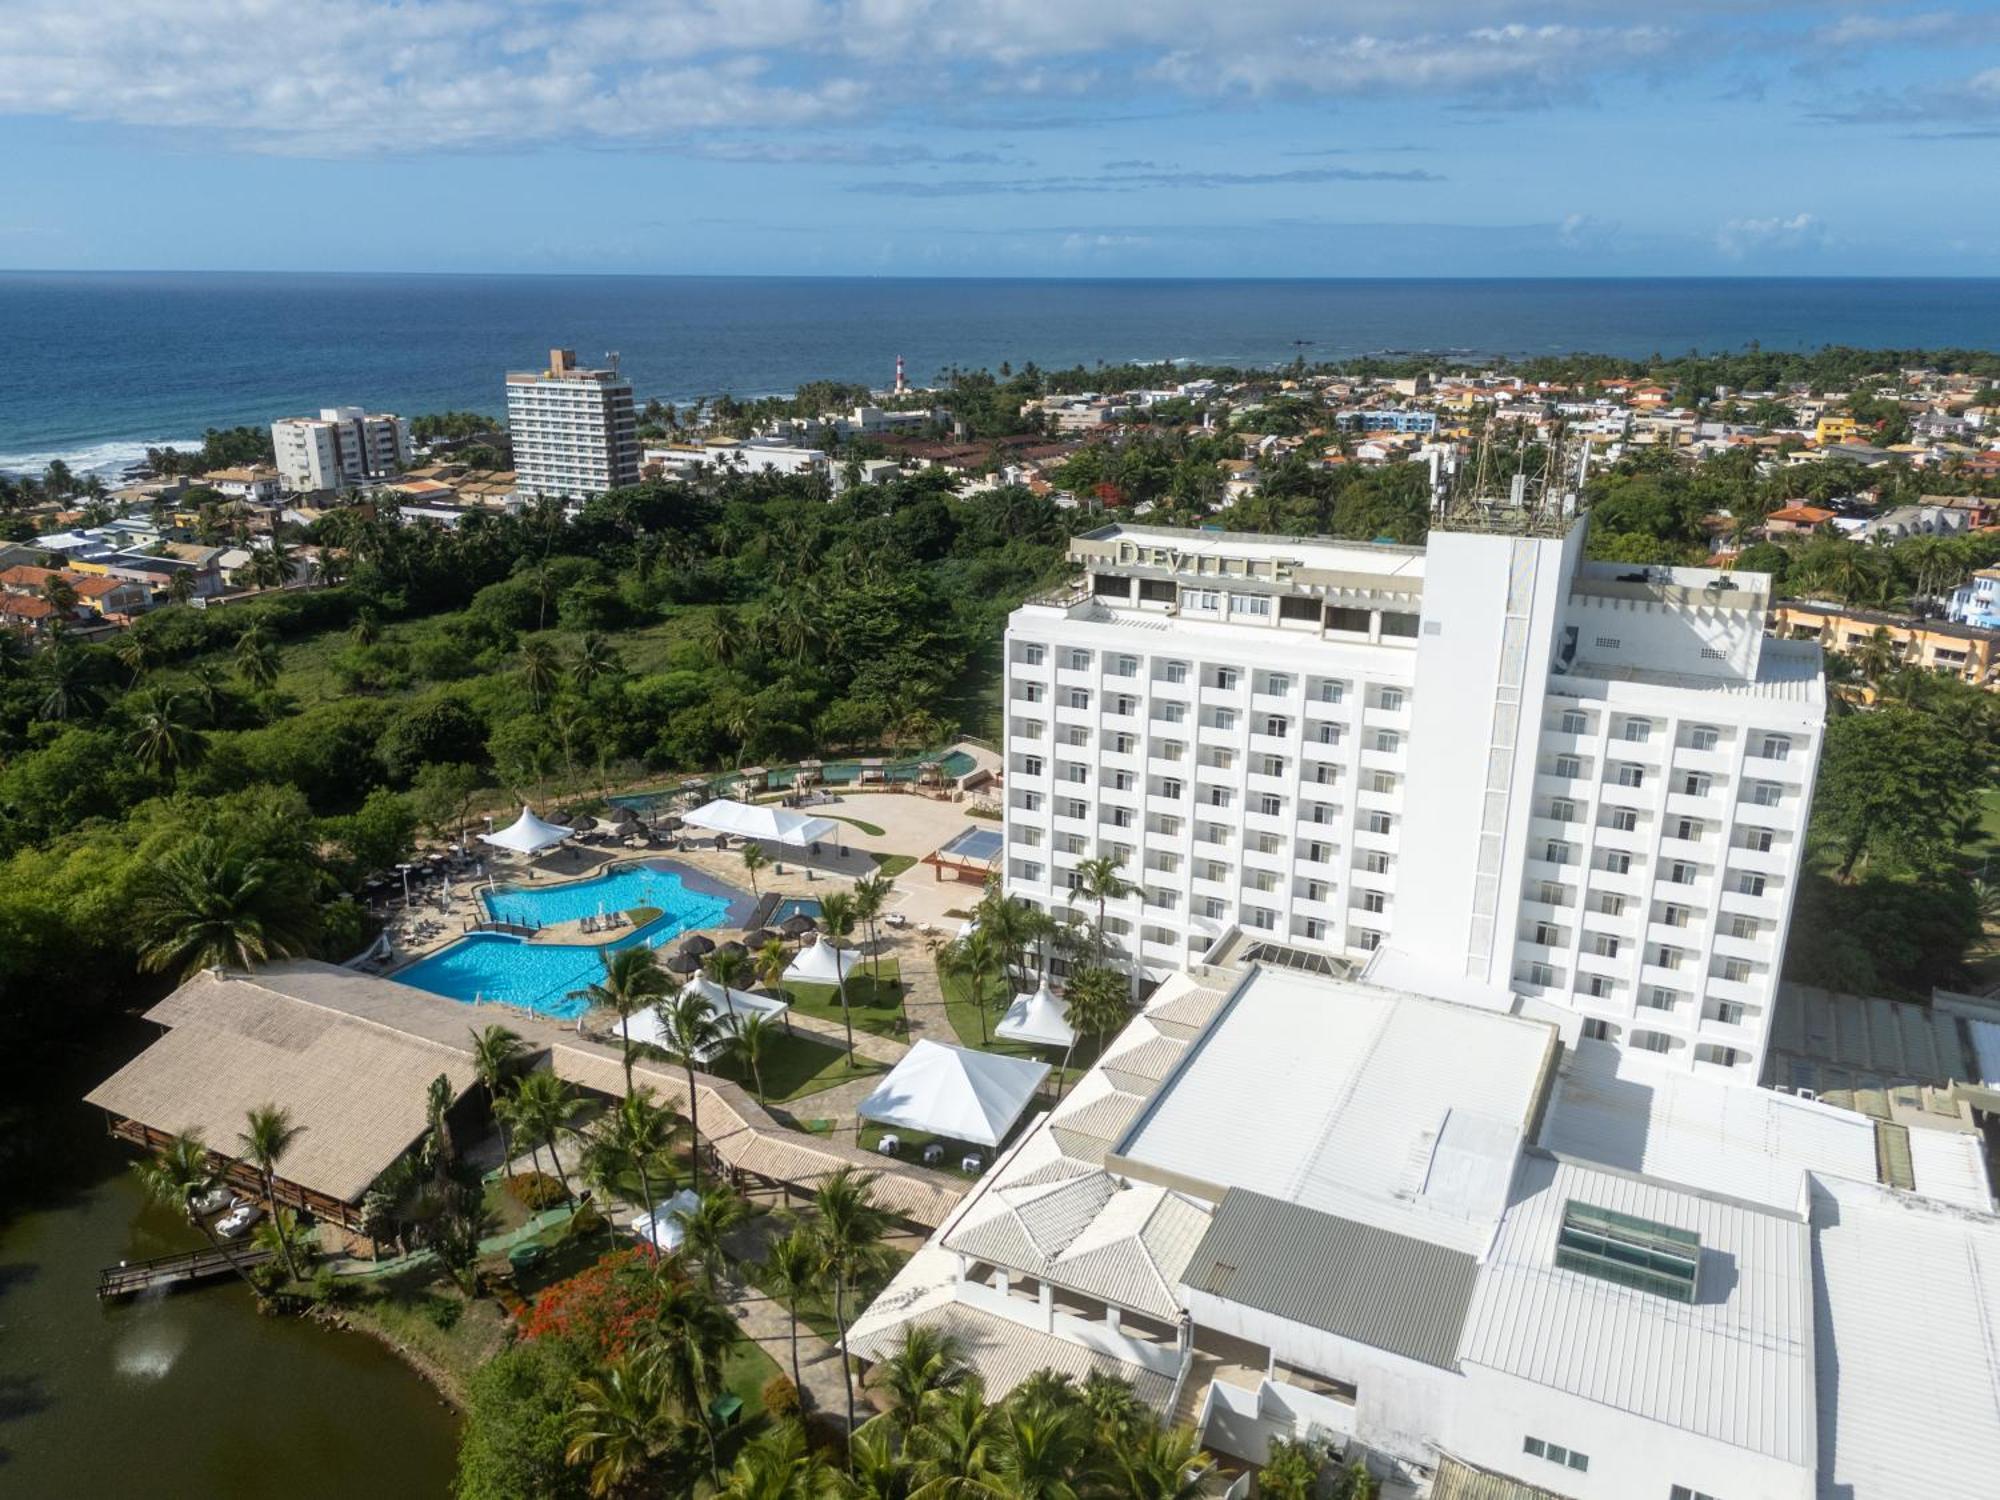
(1504, 772)
(575, 432)
(342, 447)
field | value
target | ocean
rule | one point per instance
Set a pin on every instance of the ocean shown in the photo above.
(97, 366)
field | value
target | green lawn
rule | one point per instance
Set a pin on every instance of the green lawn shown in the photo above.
(876, 1008)
(816, 1307)
(965, 1021)
(888, 866)
(871, 829)
(800, 1065)
(913, 1143)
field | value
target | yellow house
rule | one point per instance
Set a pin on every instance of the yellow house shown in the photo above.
(1835, 430)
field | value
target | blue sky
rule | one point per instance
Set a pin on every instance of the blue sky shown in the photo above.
(1009, 137)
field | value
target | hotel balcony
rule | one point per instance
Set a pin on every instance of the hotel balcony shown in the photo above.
(1773, 861)
(1765, 908)
(1719, 763)
(1691, 851)
(1681, 805)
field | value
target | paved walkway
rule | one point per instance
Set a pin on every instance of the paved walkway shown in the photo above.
(882, 1049)
(769, 1322)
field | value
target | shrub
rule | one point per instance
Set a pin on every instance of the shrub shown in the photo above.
(443, 1312)
(535, 1191)
(600, 1310)
(780, 1396)
(327, 1288)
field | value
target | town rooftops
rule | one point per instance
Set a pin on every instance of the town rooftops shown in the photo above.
(1800, 515)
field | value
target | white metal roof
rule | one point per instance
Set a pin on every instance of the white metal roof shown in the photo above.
(769, 824)
(1735, 1365)
(1950, 1165)
(954, 1092)
(1395, 1111)
(1628, 1112)
(1908, 1329)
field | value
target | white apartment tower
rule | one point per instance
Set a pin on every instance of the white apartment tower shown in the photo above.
(575, 431)
(1573, 788)
(340, 448)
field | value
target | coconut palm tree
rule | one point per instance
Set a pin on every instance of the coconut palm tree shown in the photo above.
(182, 586)
(705, 1226)
(727, 968)
(1043, 1447)
(847, 1231)
(269, 1136)
(1097, 879)
(60, 593)
(1094, 1004)
(1149, 1462)
(755, 1039)
(1877, 656)
(724, 637)
(596, 661)
(68, 689)
(180, 1173)
(1011, 926)
(792, 1267)
(137, 654)
(778, 1465)
(633, 1141)
(976, 961)
(952, 1451)
(438, 1098)
(754, 859)
(543, 1110)
(208, 904)
(495, 1051)
(688, 1033)
(163, 737)
(633, 981)
(622, 1417)
(770, 963)
(927, 1363)
(208, 690)
(366, 629)
(871, 894)
(836, 924)
(540, 665)
(691, 1337)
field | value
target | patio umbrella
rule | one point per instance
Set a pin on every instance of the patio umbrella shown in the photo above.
(734, 947)
(675, 825)
(797, 925)
(624, 825)
(683, 963)
(757, 939)
(584, 824)
(698, 945)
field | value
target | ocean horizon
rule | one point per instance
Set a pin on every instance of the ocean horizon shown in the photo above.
(107, 363)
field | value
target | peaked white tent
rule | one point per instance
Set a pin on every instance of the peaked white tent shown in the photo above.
(769, 825)
(664, 1226)
(527, 834)
(645, 1026)
(1039, 1019)
(819, 962)
(956, 1093)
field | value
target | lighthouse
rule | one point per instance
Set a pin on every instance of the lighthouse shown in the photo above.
(901, 385)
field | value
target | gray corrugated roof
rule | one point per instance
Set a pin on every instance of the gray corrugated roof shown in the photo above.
(1384, 1289)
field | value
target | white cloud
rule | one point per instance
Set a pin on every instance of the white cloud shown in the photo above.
(1740, 239)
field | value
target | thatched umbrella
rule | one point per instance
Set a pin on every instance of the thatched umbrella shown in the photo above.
(675, 825)
(757, 939)
(797, 925)
(683, 963)
(697, 944)
(625, 824)
(734, 947)
(584, 824)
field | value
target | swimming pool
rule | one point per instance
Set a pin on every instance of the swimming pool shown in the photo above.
(793, 906)
(545, 977)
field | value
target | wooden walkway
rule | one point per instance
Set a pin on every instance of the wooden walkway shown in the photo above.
(130, 1278)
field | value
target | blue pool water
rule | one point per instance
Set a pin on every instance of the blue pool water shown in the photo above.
(793, 906)
(545, 977)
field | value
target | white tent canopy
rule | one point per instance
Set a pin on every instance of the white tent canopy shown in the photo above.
(664, 1226)
(645, 1026)
(819, 962)
(527, 834)
(1039, 1019)
(770, 825)
(956, 1093)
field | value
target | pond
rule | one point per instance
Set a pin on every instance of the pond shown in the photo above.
(190, 1395)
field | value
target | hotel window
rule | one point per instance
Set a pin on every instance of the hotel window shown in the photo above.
(1313, 929)
(1268, 843)
(1326, 734)
(1167, 900)
(1030, 802)
(1631, 775)
(1674, 916)
(1270, 806)
(1258, 605)
(1745, 928)
(1556, 852)
(1213, 833)
(1277, 684)
(1595, 1030)
(1270, 765)
(1775, 747)
(1318, 854)
(1574, 722)
(1608, 904)
(1276, 726)
(1224, 678)
(1174, 671)
(1389, 698)
(1372, 901)
(1621, 819)
(1736, 970)
(1330, 691)
(1616, 862)
(1599, 987)
(1071, 807)
(1729, 1012)
(1683, 1492)
(1758, 840)
(1366, 940)
(1030, 837)
(1748, 884)
(1605, 945)
(1658, 997)
(1548, 935)
(1316, 890)
(1638, 731)
(1221, 760)
(1122, 704)
(1568, 767)
(1170, 713)
(1666, 957)
(1122, 781)
(1219, 796)
(1213, 909)
(1541, 974)
(1555, 1453)
(1076, 736)
(1388, 741)
(1171, 789)
(1704, 737)
(1031, 765)
(1688, 828)
(1079, 697)
(1766, 793)
(1223, 718)
(1213, 869)
(1260, 918)
(1383, 782)
(1696, 784)
(1373, 861)
(1030, 693)
(1118, 817)
(1170, 749)
(1680, 872)
(1381, 822)
(1201, 601)
(1031, 655)
(1123, 744)
(1124, 666)
(1078, 661)
(1355, 620)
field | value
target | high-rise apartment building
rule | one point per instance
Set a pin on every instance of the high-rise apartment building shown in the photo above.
(575, 432)
(1574, 787)
(340, 448)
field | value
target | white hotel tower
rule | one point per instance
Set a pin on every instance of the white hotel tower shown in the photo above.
(1529, 778)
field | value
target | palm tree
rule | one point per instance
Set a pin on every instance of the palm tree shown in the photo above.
(596, 660)
(495, 1050)
(689, 1032)
(1094, 1004)
(163, 739)
(633, 980)
(1097, 879)
(632, 1142)
(269, 1136)
(847, 1231)
(178, 1174)
(705, 1226)
(68, 691)
(792, 1268)
(871, 894)
(620, 1419)
(208, 904)
(777, 1465)
(60, 593)
(927, 1363)
(976, 960)
(724, 637)
(953, 1451)
(209, 691)
(1877, 656)
(754, 859)
(540, 664)
(366, 629)
(1149, 1462)
(770, 962)
(438, 1097)
(692, 1335)
(1011, 925)
(137, 654)
(755, 1040)
(727, 967)
(1043, 1445)
(257, 661)
(544, 1110)
(182, 586)
(836, 923)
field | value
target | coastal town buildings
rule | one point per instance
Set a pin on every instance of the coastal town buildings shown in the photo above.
(339, 449)
(575, 432)
(1594, 776)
